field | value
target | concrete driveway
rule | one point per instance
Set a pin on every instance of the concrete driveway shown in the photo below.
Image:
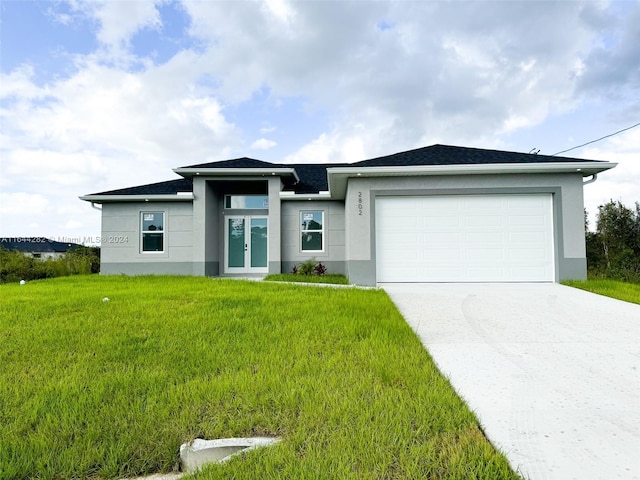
(552, 372)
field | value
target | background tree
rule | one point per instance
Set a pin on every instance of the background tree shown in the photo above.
(613, 250)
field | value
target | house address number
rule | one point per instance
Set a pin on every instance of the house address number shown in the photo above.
(360, 204)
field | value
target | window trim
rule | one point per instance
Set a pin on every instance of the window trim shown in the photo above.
(303, 231)
(143, 232)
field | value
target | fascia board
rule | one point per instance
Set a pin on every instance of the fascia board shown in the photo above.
(589, 167)
(337, 176)
(180, 197)
(243, 172)
(305, 196)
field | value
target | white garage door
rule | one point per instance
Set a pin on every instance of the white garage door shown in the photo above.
(465, 238)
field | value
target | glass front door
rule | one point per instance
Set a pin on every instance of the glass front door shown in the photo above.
(246, 244)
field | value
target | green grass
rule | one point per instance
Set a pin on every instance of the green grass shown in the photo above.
(111, 389)
(629, 292)
(334, 279)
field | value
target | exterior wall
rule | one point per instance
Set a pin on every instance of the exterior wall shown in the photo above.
(333, 256)
(121, 249)
(275, 219)
(568, 209)
(194, 231)
(206, 241)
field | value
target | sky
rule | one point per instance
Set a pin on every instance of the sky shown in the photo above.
(99, 95)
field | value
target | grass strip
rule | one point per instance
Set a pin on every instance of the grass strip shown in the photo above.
(333, 279)
(629, 292)
(110, 389)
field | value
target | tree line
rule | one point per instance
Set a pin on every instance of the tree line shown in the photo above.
(613, 249)
(16, 266)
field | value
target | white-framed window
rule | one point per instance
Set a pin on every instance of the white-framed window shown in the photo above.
(312, 230)
(152, 231)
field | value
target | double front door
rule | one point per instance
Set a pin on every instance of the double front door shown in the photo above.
(246, 244)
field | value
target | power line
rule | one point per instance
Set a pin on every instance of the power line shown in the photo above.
(598, 139)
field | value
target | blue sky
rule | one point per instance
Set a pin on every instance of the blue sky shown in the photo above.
(107, 94)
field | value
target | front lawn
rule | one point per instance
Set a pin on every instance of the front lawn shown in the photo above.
(629, 292)
(107, 389)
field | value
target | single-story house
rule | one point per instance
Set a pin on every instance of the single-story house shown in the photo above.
(37, 247)
(434, 214)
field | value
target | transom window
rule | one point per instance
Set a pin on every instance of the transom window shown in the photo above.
(312, 230)
(153, 231)
(253, 202)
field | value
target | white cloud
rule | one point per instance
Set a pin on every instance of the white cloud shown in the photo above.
(622, 182)
(119, 19)
(267, 129)
(335, 147)
(18, 84)
(263, 144)
(23, 205)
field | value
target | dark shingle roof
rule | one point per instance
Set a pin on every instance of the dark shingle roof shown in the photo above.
(244, 162)
(450, 155)
(35, 244)
(313, 177)
(170, 187)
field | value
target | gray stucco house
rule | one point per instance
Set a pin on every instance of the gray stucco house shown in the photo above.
(435, 214)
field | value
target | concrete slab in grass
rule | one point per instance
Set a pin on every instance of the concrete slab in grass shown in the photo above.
(199, 452)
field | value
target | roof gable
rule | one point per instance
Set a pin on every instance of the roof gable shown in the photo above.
(244, 162)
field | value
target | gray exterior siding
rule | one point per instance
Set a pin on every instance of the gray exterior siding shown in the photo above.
(194, 231)
(566, 189)
(121, 250)
(333, 256)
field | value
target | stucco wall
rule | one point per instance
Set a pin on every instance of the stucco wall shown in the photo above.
(333, 255)
(121, 250)
(194, 239)
(566, 190)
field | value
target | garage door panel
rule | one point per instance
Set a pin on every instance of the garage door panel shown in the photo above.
(524, 236)
(484, 237)
(526, 220)
(440, 221)
(445, 238)
(478, 274)
(440, 256)
(485, 255)
(484, 222)
(464, 238)
(479, 202)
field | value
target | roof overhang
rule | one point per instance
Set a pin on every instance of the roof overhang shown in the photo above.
(237, 172)
(338, 176)
(305, 196)
(173, 197)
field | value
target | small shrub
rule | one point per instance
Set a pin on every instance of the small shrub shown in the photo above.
(307, 267)
(320, 269)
